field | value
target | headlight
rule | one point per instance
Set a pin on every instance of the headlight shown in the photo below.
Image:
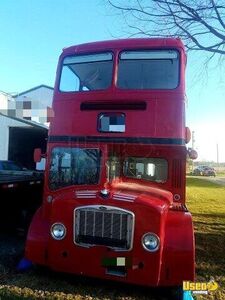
(58, 231)
(150, 242)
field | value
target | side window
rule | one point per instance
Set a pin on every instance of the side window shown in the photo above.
(152, 169)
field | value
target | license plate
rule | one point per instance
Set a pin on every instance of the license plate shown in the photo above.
(116, 262)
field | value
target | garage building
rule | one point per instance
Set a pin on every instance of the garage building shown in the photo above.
(19, 138)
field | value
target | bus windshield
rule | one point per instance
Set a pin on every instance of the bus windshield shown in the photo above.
(150, 69)
(86, 72)
(74, 166)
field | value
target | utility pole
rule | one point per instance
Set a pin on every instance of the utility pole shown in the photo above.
(217, 154)
(193, 147)
(193, 140)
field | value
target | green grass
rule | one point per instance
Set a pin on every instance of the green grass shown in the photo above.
(205, 200)
(220, 174)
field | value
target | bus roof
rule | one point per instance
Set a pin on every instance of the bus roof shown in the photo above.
(125, 44)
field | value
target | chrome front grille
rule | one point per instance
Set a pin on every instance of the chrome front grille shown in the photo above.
(103, 225)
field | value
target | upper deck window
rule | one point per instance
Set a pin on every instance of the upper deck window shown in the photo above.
(150, 69)
(86, 72)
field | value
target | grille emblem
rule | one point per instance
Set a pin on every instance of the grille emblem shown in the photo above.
(102, 208)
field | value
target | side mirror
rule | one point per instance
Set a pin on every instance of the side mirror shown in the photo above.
(37, 155)
(192, 153)
(187, 135)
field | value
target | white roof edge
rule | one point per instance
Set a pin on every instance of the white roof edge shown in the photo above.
(32, 123)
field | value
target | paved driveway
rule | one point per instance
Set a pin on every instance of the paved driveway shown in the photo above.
(219, 180)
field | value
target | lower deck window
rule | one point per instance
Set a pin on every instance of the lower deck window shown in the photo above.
(74, 166)
(152, 169)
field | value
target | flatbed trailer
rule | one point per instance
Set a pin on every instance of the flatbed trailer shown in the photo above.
(15, 180)
(20, 196)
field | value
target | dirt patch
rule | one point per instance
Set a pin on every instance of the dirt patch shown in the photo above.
(38, 283)
(11, 251)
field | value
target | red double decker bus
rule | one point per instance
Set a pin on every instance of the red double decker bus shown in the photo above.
(114, 193)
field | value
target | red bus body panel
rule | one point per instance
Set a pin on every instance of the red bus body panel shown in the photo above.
(157, 131)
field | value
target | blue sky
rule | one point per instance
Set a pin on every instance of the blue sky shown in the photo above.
(33, 32)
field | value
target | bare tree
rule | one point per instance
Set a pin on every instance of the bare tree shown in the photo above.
(200, 23)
